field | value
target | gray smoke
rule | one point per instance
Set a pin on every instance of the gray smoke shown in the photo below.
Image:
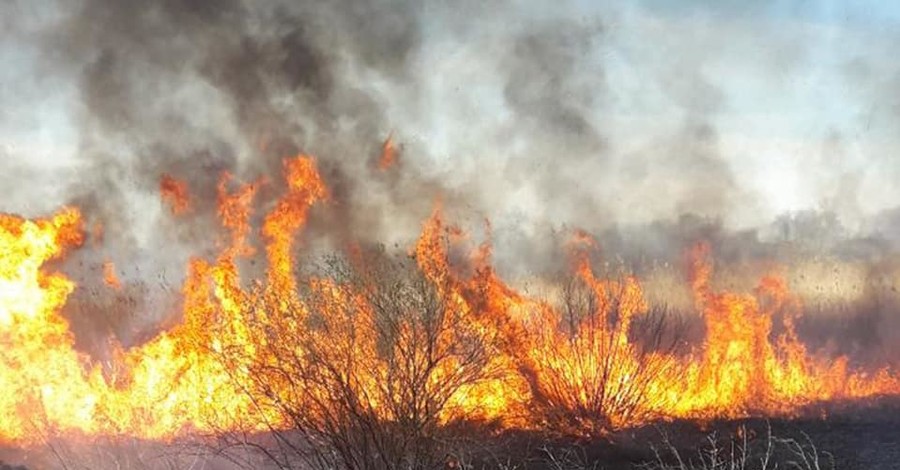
(194, 89)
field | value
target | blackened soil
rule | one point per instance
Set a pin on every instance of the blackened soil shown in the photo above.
(860, 437)
(847, 436)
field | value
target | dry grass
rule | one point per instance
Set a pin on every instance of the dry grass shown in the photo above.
(741, 452)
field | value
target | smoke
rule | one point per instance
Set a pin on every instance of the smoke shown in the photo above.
(173, 87)
(646, 126)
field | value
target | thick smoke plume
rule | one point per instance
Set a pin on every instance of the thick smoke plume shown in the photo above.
(538, 118)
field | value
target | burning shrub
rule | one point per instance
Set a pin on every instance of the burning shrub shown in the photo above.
(361, 366)
(596, 360)
(367, 361)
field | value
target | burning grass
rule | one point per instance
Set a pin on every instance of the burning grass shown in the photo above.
(375, 360)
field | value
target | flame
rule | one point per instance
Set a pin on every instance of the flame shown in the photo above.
(170, 385)
(575, 362)
(175, 194)
(304, 188)
(388, 157)
(109, 275)
(741, 370)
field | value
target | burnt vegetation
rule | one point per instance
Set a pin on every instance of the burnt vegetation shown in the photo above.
(600, 358)
(362, 365)
(372, 359)
(359, 367)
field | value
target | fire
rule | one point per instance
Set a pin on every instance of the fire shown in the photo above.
(741, 370)
(175, 194)
(173, 384)
(388, 157)
(109, 275)
(247, 356)
(591, 376)
(38, 361)
(280, 226)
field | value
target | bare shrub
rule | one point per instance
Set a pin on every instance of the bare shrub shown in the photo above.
(573, 458)
(742, 452)
(597, 357)
(358, 369)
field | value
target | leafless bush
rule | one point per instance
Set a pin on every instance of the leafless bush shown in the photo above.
(573, 458)
(742, 452)
(596, 357)
(357, 370)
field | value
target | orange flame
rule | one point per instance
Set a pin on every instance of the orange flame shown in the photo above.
(572, 362)
(175, 194)
(741, 370)
(109, 275)
(388, 157)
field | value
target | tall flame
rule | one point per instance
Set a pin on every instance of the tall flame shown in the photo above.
(576, 364)
(388, 158)
(175, 194)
